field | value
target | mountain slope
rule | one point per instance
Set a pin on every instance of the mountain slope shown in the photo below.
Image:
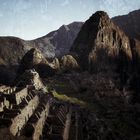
(129, 23)
(12, 50)
(58, 43)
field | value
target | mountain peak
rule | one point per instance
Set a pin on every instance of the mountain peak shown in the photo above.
(100, 42)
(64, 28)
(99, 16)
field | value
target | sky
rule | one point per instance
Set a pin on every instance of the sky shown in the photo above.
(30, 19)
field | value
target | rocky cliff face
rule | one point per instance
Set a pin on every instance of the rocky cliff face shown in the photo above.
(129, 23)
(68, 63)
(100, 45)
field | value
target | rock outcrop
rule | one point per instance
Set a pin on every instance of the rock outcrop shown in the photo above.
(55, 64)
(68, 63)
(34, 59)
(30, 59)
(129, 23)
(101, 45)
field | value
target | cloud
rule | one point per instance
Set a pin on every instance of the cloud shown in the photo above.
(19, 6)
(66, 2)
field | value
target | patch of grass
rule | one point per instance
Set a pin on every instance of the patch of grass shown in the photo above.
(64, 97)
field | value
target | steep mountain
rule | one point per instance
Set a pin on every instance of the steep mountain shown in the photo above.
(100, 45)
(129, 23)
(58, 43)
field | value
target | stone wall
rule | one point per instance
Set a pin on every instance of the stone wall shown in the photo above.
(20, 95)
(21, 119)
(40, 123)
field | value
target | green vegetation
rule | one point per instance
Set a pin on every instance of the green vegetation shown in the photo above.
(64, 97)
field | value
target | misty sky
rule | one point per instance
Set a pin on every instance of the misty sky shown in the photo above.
(29, 19)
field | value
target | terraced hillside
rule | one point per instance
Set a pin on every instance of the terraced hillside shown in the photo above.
(27, 113)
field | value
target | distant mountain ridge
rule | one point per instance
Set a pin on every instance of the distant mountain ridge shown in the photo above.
(129, 23)
(57, 43)
(53, 44)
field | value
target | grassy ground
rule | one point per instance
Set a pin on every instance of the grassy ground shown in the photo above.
(73, 100)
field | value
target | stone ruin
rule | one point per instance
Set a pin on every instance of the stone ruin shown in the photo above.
(27, 113)
(30, 77)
